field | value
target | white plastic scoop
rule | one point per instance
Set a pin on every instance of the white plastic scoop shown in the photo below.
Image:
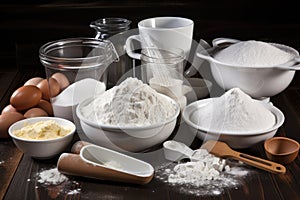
(105, 164)
(175, 151)
(100, 156)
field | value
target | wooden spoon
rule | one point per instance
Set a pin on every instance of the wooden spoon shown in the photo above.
(221, 149)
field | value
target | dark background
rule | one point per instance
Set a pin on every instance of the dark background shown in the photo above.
(26, 25)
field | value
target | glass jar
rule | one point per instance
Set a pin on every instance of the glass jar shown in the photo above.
(164, 65)
(81, 64)
(114, 29)
(163, 70)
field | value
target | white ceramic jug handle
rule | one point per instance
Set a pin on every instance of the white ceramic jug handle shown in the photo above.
(220, 41)
(129, 47)
(293, 65)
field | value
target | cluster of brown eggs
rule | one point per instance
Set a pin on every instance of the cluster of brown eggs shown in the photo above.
(32, 100)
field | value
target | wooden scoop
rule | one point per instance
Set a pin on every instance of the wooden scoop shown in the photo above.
(92, 163)
(221, 149)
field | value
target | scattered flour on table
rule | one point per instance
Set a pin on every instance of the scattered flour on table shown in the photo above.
(74, 191)
(51, 177)
(207, 167)
(234, 111)
(208, 175)
(253, 54)
(2, 162)
(132, 103)
(61, 185)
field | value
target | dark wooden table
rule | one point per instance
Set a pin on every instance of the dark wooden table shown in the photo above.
(18, 172)
(27, 25)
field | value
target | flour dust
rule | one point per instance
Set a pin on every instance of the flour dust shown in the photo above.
(203, 186)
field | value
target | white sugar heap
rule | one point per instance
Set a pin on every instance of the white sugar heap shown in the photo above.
(253, 54)
(235, 111)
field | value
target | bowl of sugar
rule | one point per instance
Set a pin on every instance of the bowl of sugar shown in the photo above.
(234, 118)
(259, 68)
(128, 117)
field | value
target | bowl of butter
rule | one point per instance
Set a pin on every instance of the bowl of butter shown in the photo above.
(42, 137)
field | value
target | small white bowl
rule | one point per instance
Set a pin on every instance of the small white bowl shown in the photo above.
(42, 149)
(127, 138)
(234, 139)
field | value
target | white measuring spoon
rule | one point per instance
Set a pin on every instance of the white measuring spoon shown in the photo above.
(175, 151)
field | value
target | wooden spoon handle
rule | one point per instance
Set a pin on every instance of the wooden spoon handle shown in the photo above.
(260, 163)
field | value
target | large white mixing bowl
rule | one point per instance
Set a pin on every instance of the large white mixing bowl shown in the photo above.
(241, 139)
(127, 138)
(258, 82)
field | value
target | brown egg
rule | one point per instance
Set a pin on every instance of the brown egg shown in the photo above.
(62, 80)
(35, 112)
(33, 81)
(46, 106)
(44, 87)
(26, 97)
(6, 120)
(9, 108)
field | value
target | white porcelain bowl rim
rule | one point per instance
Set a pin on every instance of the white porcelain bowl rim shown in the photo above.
(36, 119)
(117, 127)
(212, 59)
(198, 104)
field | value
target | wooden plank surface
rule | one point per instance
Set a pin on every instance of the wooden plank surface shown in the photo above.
(10, 156)
(258, 185)
(21, 183)
(27, 26)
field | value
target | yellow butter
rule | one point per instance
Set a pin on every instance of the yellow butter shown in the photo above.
(42, 130)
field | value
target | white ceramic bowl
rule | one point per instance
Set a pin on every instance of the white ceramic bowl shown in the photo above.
(258, 82)
(127, 138)
(233, 139)
(42, 149)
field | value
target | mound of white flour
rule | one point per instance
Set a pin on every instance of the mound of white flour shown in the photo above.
(132, 103)
(235, 111)
(208, 167)
(51, 177)
(253, 54)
